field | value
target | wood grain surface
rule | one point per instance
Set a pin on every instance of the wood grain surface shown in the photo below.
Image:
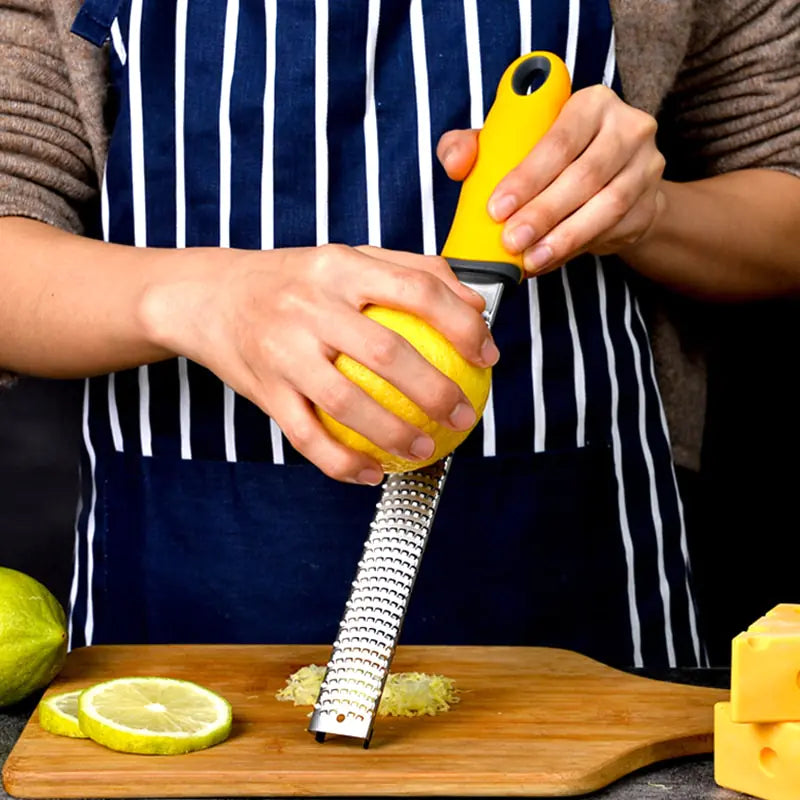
(530, 721)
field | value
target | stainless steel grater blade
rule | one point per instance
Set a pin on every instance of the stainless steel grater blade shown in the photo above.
(374, 613)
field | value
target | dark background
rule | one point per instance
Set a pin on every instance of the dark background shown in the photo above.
(743, 508)
(39, 438)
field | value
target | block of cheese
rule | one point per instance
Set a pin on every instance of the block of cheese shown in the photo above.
(765, 668)
(784, 616)
(762, 760)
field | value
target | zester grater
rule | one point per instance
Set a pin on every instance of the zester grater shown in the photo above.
(530, 94)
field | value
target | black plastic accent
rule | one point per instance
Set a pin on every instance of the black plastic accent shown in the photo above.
(530, 75)
(487, 271)
(320, 736)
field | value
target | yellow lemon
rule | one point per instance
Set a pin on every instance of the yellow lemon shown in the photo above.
(435, 348)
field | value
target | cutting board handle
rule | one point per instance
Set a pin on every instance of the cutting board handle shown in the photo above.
(529, 97)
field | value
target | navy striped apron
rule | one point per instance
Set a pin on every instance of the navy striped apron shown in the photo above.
(277, 123)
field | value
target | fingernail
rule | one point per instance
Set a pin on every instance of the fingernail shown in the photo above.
(473, 292)
(448, 154)
(371, 477)
(538, 258)
(462, 417)
(490, 355)
(519, 237)
(502, 207)
(422, 447)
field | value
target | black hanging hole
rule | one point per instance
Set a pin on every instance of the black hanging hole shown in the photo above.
(530, 75)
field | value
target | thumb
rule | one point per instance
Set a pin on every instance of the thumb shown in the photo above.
(457, 151)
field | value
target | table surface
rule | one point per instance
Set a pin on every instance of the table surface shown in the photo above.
(679, 779)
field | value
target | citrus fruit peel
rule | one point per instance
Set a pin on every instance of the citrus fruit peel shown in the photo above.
(405, 694)
(474, 381)
(33, 636)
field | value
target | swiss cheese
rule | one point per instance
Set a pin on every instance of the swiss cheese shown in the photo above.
(765, 668)
(762, 760)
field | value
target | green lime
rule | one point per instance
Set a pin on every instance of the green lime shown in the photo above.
(33, 636)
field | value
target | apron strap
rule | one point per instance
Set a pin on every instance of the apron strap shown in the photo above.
(94, 20)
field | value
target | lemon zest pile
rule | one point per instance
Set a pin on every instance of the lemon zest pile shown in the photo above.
(406, 694)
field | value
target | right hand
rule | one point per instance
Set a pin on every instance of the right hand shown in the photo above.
(271, 323)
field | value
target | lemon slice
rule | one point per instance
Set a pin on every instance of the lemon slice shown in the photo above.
(156, 716)
(58, 714)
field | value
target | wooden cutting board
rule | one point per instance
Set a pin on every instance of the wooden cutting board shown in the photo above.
(531, 721)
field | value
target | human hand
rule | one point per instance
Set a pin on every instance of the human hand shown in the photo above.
(591, 184)
(270, 324)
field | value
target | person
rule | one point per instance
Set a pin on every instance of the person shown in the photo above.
(200, 239)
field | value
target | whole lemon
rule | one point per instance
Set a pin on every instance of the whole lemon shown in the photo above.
(33, 636)
(474, 381)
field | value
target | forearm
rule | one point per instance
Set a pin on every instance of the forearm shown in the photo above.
(735, 236)
(71, 306)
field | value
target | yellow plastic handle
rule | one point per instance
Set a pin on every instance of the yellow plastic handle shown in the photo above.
(530, 95)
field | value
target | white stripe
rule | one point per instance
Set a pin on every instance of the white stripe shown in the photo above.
(117, 42)
(138, 188)
(137, 126)
(473, 40)
(371, 150)
(701, 660)
(276, 438)
(229, 413)
(611, 61)
(185, 400)
(488, 425)
(420, 63)
(181, 13)
(113, 414)
(268, 174)
(655, 505)
(88, 628)
(76, 569)
(525, 24)
(321, 118)
(539, 415)
(578, 364)
(113, 410)
(572, 36)
(184, 389)
(268, 133)
(228, 64)
(105, 211)
(225, 155)
(145, 435)
(474, 72)
(627, 542)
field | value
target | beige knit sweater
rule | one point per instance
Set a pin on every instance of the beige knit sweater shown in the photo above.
(727, 70)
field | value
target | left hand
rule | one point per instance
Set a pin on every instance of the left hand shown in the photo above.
(592, 183)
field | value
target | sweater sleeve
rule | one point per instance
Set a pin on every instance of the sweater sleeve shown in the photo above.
(736, 100)
(46, 167)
